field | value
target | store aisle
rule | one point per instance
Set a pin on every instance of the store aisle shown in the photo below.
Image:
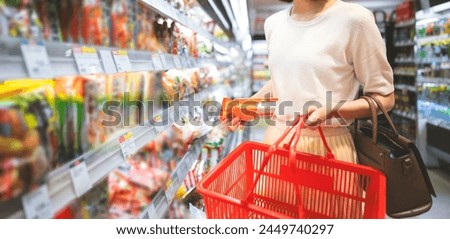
(439, 177)
(441, 204)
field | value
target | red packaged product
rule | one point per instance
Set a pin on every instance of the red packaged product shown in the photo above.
(121, 24)
(94, 24)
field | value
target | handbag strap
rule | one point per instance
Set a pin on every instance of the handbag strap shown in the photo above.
(385, 113)
(374, 118)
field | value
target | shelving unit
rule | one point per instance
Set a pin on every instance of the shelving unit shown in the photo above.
(63, 62)
(405, 71)
(101, 161)
(433, 86)
(104, 159)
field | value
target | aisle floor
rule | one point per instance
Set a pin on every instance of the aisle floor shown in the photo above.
(440, 178)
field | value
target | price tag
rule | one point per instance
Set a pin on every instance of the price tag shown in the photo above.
(151, 212)
(172, 187)
(127, 145)
(123, 63)
(80, 177)
(37, 204)
(87, 60)
(177, 61)
(157, 62)
(108, 62)
(164, 62)
(36, 60)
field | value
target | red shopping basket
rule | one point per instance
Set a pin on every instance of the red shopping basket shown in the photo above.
(262, 181)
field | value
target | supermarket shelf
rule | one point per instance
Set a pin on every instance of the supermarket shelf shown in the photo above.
(165, 9)
(405, 87)
(406, 61)
(162, 200)
(63, 62)
(433, 39)
(438, 123)
(404, 44)
(411, 116)
(433, 80)
(408, 23)
(100, 162)
(404, 74)
(423, 61)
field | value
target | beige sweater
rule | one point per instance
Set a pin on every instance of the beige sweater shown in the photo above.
(335, 52)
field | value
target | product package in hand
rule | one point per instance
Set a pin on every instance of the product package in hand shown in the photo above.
(246, 109)
(28, 144)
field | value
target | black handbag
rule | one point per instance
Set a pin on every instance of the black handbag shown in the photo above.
(408, 186)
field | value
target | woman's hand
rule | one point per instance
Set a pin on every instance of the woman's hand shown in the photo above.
(235, 123)
(316, 116)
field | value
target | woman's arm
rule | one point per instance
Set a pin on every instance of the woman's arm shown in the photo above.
(348, 111)
(360, 108)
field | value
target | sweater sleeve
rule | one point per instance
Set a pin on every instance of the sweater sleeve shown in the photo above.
(370, 62)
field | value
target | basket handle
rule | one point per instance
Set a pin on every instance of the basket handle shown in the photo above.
(298, 126)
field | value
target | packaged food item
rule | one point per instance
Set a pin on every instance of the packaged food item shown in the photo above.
(73, 31)
(28, 145)
(144, 29)
(73, 130)
(93, 99)
(122, 24)
(94, 204)
(170, 82)
(15, 18)
(135, 105)
(94, 27)
(115, 89)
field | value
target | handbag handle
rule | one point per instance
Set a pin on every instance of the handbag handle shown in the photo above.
(374, 116)
(291, 147)
(385, 113)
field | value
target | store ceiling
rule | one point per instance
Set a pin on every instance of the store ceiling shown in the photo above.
(259, 10)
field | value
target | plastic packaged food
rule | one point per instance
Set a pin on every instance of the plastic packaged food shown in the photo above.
(122, 24)
(15, 18)
(95, 29)
(28, 145)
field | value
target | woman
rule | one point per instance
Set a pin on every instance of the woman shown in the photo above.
(320, 52)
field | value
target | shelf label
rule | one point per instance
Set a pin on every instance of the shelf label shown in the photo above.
(37, 204)
(108, 62)
(122, 61)
(36, 60)
(172, 187)
(87, 60)
(164, 62)
(80, 177)
(157, 62)
(127, 145)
